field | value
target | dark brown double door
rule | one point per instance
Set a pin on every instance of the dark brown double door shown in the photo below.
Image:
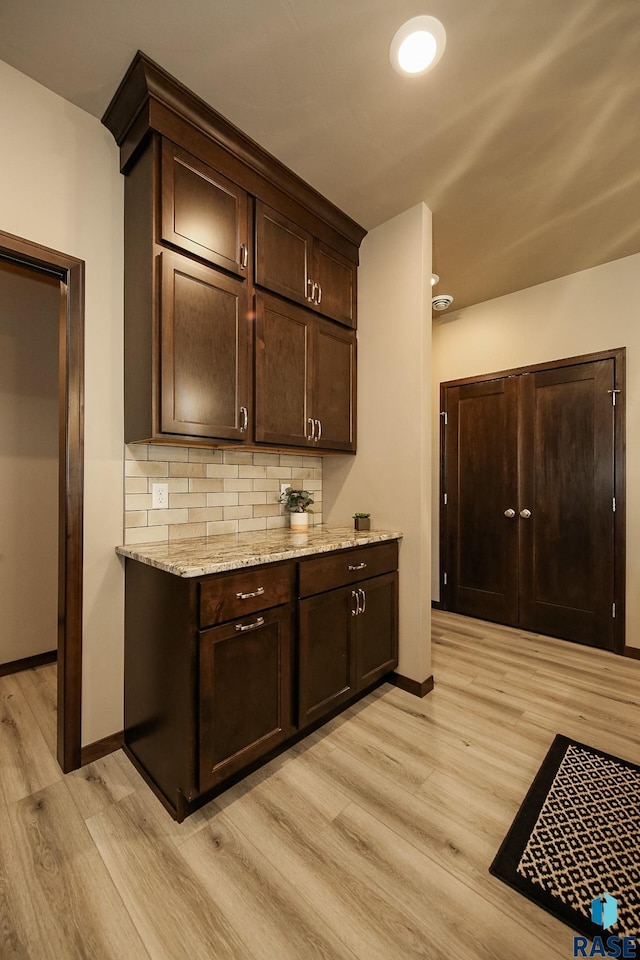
(529, 482)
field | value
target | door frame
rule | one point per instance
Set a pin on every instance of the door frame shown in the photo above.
(618, 355)
(70, 272)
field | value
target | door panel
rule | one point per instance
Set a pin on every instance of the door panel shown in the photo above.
(567, 481)
(481, 458)
(334, 393)
(245, 682)
(284, 252)
(202, 211)
(327, 653)
(377, 629)
(543, 443)
(205, 351)
(283, 375)
(337, 278)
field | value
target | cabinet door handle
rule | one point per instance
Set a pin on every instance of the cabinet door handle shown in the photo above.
(319, 297)
(358, 566)
(363, 605)
(313, 429)
(312, 287)
(319, 430)
(248, 596)
(244, 413)
(244, 256)
(354, 596)
(243, 627)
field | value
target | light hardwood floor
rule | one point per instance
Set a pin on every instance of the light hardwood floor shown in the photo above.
(371, 839)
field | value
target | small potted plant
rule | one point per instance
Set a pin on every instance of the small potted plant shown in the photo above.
(362, 521)
(297, 502)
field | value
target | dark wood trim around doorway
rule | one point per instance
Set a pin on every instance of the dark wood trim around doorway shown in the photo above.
(618, 355)
(70, 272)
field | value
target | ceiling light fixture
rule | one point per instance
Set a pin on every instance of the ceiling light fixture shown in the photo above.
(417, 46)
(434, 279)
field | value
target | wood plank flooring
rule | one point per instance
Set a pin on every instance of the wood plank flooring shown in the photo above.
(369, 840)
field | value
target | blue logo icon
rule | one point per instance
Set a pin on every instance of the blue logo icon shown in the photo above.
(604, 910)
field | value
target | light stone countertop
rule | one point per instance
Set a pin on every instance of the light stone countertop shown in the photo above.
(203, 555)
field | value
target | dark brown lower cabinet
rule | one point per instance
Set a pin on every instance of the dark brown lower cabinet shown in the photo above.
(245, 692)
(348, 639)
(223, 671)
(376, 629)
(326, 653)
(348, 635)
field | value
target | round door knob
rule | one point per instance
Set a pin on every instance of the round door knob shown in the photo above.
(510, 513)
(525, 514)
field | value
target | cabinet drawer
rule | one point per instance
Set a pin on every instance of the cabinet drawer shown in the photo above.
(346, 566)
(258, 588)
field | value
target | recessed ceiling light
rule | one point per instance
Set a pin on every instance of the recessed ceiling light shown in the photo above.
(434, 279)
(417, 46)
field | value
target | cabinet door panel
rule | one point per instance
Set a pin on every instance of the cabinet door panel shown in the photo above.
(377, 629)
(205, 351)
(337, 278)
(283, 347)
(284, 254)
(245, 682)
(326, 652)
(334, 387)
(202, 211)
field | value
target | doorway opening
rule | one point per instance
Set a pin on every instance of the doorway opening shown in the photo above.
(67, 273)
(533, 498)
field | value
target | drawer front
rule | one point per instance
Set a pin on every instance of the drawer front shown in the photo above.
(225, 597)
(339, 569)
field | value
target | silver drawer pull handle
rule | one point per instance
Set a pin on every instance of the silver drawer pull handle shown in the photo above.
(311, 286)
(354, 596)
(244, 256)
(363, 604)
(243, 627)
(248, 596)
(357, 566)
(313, 429)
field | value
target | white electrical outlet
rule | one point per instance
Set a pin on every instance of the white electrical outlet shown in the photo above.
(159, 496)
(284, 487)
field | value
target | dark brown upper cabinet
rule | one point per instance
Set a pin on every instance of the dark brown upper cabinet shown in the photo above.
(210, 216)
(203, 212)
(305, 378)
(205, 381)
(292, 262)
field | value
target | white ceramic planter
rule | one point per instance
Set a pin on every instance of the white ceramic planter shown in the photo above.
(299, 521)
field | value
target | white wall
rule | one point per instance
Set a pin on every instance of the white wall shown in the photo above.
(60, 186)
(29, 324)
(598, 309)
(390, 475)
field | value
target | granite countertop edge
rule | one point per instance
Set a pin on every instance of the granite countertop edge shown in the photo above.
(222, 553)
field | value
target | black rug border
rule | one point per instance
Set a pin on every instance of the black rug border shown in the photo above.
(512, 847)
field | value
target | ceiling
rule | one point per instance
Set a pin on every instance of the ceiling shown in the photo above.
(524, 140)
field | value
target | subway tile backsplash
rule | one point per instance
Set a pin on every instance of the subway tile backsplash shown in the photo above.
(211, 491)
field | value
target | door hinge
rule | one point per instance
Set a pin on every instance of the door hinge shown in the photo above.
(614, 504)
(444, 579)
(613, 610)
(443, 414)
(613, 393)
(444, 499)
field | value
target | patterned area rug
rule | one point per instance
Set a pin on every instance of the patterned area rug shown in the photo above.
(576, 837)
